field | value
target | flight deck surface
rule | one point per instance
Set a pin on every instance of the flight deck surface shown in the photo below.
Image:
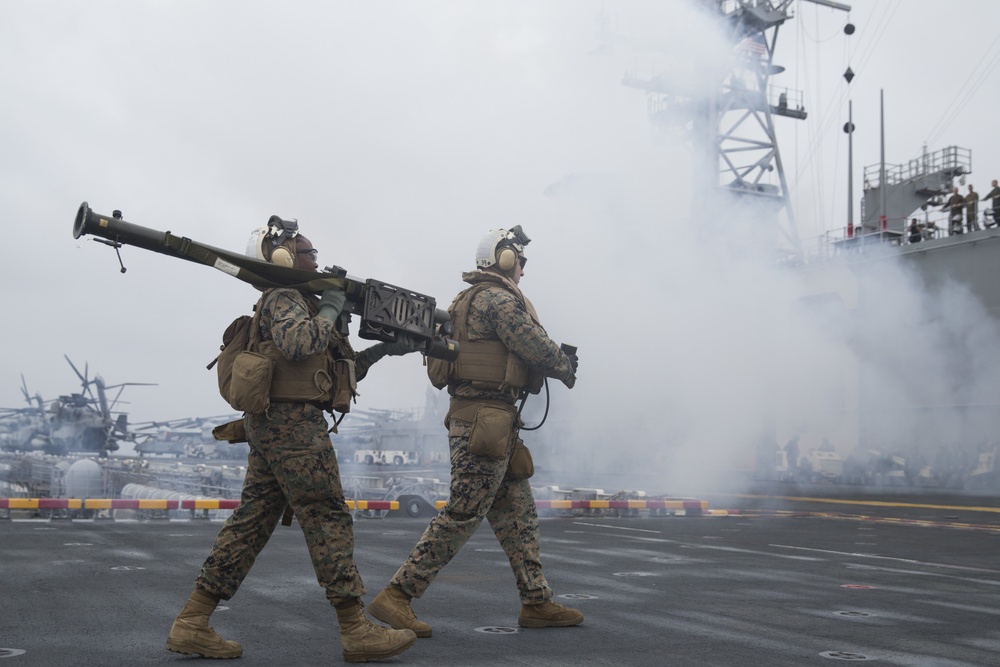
(777, 582)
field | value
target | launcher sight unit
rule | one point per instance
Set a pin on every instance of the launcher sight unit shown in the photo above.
(384, 310)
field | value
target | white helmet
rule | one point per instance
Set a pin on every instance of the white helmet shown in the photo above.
(501, 247)
(274, 234)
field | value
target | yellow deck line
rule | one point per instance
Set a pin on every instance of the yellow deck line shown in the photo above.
(873, 503)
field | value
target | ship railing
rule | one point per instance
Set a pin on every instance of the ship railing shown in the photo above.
(950, 160)
(836, 242)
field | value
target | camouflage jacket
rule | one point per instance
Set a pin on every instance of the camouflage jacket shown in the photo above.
(501, 312)
(289, 319)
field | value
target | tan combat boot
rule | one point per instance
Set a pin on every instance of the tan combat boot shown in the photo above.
(392, 606)
(191, 632)
(362, 640)
(548, 614)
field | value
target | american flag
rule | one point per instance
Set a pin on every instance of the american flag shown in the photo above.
(755, 44)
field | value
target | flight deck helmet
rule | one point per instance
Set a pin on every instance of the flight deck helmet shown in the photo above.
(502, 248)
(274, 242)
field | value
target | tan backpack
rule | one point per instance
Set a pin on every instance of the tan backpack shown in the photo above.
(244, 375)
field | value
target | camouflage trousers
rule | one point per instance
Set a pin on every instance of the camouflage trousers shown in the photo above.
(480, 489)
(291, 462)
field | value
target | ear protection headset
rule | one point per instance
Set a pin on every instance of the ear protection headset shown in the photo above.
(282, 256)
(511, 247)
(274, 243)
(506, 258)
(502, 248)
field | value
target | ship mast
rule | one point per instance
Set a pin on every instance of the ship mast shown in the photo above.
(736, 122)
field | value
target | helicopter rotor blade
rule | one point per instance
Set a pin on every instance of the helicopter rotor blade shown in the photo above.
(121, 387)
(114, 402)
(82, 376)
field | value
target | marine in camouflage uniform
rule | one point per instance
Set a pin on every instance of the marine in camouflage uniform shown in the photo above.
(483, 487)
(292, 464)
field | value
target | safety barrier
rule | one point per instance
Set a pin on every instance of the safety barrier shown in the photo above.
(149, 504)
(655, 507)
(160, 505)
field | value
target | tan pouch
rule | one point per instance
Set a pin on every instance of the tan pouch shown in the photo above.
(231, 432)
(491, 432)
(438, 371)
(516, 373)
(521, 466)
(345, 385)
(250, 388)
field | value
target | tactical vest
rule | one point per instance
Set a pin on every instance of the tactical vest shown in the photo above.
(486, 364)
(308, 379)
(316, 378)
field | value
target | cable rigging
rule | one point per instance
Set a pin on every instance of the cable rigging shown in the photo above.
(959, 102)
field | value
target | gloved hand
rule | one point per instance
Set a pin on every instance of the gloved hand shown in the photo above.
(332, 302)
(574, 360)
(405, 343)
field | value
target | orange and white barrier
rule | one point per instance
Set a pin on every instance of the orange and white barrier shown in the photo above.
(156, 504)
(685, 507)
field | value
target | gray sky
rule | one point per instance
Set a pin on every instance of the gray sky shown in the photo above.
(398, 133)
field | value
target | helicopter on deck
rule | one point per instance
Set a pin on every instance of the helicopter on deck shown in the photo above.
(189, 437)
(27, 426)
(76, 422)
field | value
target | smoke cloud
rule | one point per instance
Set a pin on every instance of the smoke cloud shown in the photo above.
(397, 139)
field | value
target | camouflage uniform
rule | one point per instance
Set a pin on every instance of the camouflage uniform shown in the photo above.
(480, 486)
(291, 462)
